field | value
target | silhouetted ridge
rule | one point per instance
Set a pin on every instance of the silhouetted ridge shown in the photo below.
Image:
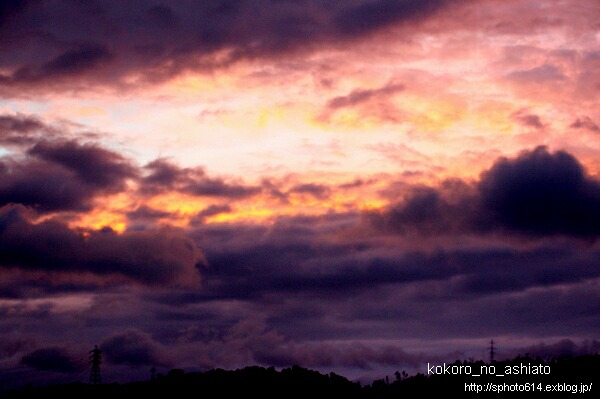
(264, 382)
(296, 381)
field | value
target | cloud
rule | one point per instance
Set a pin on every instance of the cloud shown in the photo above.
(541, 74)
(54, 172)
(53, 358)
(527, 119)
(43, 186)
(133, 348)
(209, 211)
(20, 129)
(158, 41)
(210, 187)
(318, 191)
(297, 256)
(585, 122)
(251, 341)
(63, 175)
(357, 355)
(373, 103)
(363, 17)
(541, 193)
(329, 278)
(356, 183)
(145, 212)
(564, 347)
(71, 63)
(92, 164)
(11, 8)
(402, 154)
(538, 193)
(11, 347)
(161, 257)
(360, 96)
(166, 176)
(500, 255)
(76, 61)
(298, 264)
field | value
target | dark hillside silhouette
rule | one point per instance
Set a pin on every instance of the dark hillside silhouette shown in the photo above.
(565, 373)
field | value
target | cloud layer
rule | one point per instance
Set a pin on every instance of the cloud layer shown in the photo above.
(160, 41)
(537, 193)
(361, 186)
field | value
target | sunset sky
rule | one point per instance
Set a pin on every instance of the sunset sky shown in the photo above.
(358, 186)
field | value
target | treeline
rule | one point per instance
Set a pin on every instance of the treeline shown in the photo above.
(522, 375)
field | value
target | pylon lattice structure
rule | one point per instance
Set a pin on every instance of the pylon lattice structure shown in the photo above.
(95, 361)
(492, 351)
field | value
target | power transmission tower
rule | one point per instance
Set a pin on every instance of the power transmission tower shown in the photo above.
(95, 361)
(492, 351)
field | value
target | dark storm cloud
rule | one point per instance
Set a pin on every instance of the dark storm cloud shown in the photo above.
(67, 65)
(76, 61)
(150, 257)
(302, 264)
(426, 210)
(11, 8)
(20, 129)
(494, 270)
(163, 175)
(367, 16)
(586, 122)
(248, 260)
(316, 331)
(253, 341)
(52, 359)
(92, 164)
(323, 355)
(10, 347)
(25, 283)
(538, 193)
(133, 348)
(47, 42)
(44, 186)
(55, 173)
(63, 175)
(360, 96)
(542, 193)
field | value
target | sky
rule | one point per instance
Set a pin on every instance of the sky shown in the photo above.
(357, 186)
